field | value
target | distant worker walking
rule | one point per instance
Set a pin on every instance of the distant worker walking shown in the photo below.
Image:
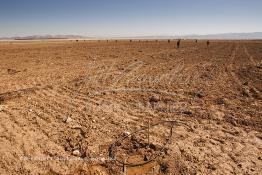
(208, 43)
(178, 44)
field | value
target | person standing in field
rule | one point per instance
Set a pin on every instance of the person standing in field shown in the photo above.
(208, 43)
(178, 44)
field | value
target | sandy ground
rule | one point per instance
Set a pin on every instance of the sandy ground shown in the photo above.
(64, 105)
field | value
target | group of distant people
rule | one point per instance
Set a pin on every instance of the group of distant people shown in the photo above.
(178, 43)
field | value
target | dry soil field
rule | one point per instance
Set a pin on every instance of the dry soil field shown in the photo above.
(101, 108)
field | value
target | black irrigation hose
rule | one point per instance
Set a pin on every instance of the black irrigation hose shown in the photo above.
(121, 163)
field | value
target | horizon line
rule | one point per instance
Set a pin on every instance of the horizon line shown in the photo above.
(126, 36)
(217, 36)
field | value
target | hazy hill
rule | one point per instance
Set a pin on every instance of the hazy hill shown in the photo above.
(232, 36)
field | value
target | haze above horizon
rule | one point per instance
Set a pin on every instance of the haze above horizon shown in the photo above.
(117, 18)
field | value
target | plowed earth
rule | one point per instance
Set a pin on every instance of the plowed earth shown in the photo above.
(64, 103)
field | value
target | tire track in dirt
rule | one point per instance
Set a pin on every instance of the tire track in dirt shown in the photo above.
(53, 109)
(118, 108)
(122, 108)
(250, 57)
(27, 120)
(222, 147)
(28, 142)
(59, 98)
(53, 112)
(20, 93)
(57, 108)
(252, 89)
(231, 66)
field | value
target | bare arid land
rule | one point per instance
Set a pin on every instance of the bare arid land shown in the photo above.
(121, 107)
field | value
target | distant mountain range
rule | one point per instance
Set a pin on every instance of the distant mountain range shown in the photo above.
(225, 36)
(255, 35)
(229, 36)
(44, 37)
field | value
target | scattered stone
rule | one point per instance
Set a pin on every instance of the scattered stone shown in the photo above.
(220, 101)
(126, 133)
(245, 83)
(154, 99)
(187, 113)
(103, 160)
(76, 153)
(12, 71)
(246, 92)
(68, 119)
(76, 126)
(199, 94)
(82, 173)
(259, 66)
(164, 168)
(217, 115)
(64, 119)
(211, 167)
(255, 93)
(196, 93)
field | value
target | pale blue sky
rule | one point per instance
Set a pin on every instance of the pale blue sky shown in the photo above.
(128, 17)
